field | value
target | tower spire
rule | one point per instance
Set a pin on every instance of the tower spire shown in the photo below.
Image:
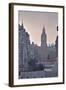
(22, 24)
(43, 38)
(43, 29)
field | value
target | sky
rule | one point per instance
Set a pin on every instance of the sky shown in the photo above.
(34, 23)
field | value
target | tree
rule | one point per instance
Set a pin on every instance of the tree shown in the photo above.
(32, 64)
(40, 67)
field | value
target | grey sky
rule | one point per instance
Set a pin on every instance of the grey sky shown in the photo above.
(34, 22)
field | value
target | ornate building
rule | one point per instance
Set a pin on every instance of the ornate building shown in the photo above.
(43, 49)
(24, 43)
(43, 38)
(28, 51)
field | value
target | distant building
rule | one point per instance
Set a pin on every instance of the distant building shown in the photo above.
(43, 47)
(43, 38)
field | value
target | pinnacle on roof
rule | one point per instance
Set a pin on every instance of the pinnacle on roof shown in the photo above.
(57, 28)
(22, 24)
